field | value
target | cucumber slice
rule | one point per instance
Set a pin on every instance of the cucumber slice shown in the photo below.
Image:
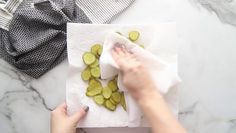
(94, 82)
(142, 46)
(94, 92)
(95, 48)
(122, 101)
(89, 88)
(133, 36)
(113, 85)
(100, 51)
(112, 101)
(106, 92)
(99, 99)
(107, 96)
(116, 78)
(88, 58)
(119, 33)
(86, 75)
(95, 64)
(116, 97)
(95, 72)
(110, 106)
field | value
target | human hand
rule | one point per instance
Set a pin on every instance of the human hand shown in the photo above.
(138, 81)
(62, 123)
(134, 74)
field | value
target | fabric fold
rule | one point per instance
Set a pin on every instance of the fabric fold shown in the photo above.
(33, 32)
(36, 40)
(103, 11)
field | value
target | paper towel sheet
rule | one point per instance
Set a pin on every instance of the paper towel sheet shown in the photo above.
(160, 40)
(163, 73)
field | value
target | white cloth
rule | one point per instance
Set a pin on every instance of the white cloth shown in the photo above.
(160, 40)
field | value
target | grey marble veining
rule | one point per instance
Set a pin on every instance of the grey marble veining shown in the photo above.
(204, 121)
(18, 99)
(224, 9)
(24, 81)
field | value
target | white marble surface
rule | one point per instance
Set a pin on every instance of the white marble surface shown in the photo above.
(207, 65)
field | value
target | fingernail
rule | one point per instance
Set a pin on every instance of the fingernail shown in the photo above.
(86, 108)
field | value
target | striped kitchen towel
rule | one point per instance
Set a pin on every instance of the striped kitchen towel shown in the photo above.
(33, 32)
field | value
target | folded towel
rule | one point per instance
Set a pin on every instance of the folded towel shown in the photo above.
(33, 32)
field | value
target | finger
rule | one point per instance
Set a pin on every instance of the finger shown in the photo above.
(129, 56)
(129, 64)
(119, 60)
(62, 107)
(114, 54)
(126, 52)
(123, 49)
(75, 118)
(60, 110)
(119, 51)
(124, 60)
(116, 57)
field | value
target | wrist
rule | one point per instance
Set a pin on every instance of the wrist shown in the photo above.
(149, 96)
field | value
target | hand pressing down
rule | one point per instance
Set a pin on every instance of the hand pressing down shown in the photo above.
(138, 82)
(134, 74)
(62, 123)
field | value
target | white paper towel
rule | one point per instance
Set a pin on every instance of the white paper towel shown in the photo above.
(163, 73)
(160, 40)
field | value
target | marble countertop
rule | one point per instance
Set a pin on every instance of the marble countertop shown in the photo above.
(207, 66)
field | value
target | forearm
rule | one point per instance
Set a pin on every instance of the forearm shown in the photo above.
(138, 81)
(158, 114)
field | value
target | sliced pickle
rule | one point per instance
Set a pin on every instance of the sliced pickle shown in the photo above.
(95, 64)
(86, 75)
(88, 58)
(99, 99)
(106, 92)
(133, 35)
(112, 84)
(116, 97)
(142, 46)
(93, 83)
(95, 72)
(94, 92)
(122, 101)
(95, 48)
(100, 51)
(112, 101)
(110, 106)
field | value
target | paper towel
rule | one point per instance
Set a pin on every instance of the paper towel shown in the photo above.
(159, 39)
(163, 73)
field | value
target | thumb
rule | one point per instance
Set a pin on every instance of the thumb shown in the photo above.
(75, 118)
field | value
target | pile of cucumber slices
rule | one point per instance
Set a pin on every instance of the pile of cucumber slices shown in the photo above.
(108, 96)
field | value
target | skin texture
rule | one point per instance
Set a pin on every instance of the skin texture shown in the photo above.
(138, 82)
(62, 123)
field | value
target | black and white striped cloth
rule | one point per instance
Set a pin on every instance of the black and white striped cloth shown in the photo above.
(33, 32)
